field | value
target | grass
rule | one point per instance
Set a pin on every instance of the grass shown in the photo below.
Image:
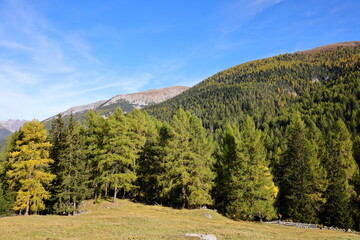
(127, 220)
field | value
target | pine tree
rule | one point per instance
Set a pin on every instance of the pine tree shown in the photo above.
(250, 190)
(356, 199)
(302, 177)
(118, 161)
(228, 157)
(71, 171)
(7, 194)
(187, 163)
(29, 164)
(341, 168)
(151, 169)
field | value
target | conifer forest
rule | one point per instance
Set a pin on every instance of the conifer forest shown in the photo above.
(277, 138)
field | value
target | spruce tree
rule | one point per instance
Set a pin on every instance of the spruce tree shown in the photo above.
(7, 194)
(70, 190)
(149, 164)
(341, 168)
(301, 177)
(250, 191)
(29, 168)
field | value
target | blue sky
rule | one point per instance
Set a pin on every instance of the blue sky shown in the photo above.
(55, 54)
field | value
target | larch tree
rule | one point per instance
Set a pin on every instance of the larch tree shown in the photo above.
(29, 168)
(95, 134)
(118, 161)
(187, 163)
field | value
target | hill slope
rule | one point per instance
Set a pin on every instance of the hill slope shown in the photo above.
(127, 220)
(323, 83)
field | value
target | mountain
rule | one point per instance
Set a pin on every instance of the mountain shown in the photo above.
(12, 125)
(322, 83)
(126, 102)
(9, 126)
(332, 46)
(4, 133)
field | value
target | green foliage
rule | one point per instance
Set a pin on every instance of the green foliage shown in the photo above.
(68, 152)
(245, 188)
(7, 194)
(95, 132)
(118, 162)
(341, 168)
(302, 176)
(187, 178)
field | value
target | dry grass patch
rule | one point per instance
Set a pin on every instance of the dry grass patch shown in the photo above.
(127, 220)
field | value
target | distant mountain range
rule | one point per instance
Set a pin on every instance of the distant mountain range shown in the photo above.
(9, 126)
(126, 102)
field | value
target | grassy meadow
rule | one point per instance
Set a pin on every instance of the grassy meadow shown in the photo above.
(127, 220)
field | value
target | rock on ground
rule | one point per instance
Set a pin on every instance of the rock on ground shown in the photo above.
(201, 236)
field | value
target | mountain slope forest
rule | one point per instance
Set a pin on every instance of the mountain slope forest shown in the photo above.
(268, 139)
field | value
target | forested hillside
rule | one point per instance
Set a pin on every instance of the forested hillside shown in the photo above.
(269, 139)
(323, 86)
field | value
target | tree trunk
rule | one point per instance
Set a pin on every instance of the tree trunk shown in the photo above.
(27, 207)
(115, 192)
(74, 212)
(106, 190)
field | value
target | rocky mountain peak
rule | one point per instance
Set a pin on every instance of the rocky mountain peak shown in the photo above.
(12, 124)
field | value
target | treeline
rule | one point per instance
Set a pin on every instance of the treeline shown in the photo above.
(181, 164)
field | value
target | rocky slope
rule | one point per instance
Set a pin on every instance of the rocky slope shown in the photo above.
(9, 126)
(12, 124)
(126, 102)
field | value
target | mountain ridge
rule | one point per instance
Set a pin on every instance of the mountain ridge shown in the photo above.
(126, 102)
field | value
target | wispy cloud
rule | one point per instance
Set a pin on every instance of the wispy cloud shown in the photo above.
(44, 70)
(234, 16)
(239, 12)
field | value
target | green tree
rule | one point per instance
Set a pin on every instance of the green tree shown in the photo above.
(341, 168)
(95, 133)
(250, 190)
(302, 176)
(187, 163)
(118, 161)
(151, 165)
(7, 194)
(71, 170)
(29, 164)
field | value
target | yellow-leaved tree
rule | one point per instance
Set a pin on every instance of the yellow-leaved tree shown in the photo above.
(29, 168)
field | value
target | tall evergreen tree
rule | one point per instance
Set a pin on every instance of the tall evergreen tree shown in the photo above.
(302, 176)
(7, 194)
(95, 133)
(118, 161)
(187, 163)
(71, 171)
(341, 168)
(250, 190)
(151, 166)
(29, 164)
